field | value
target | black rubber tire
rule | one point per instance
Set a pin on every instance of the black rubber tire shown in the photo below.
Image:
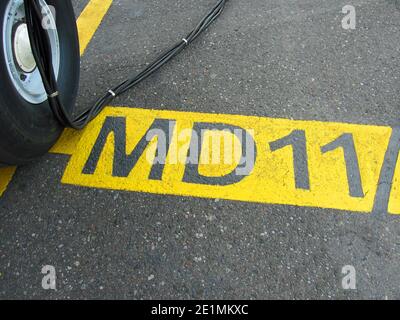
(28, 131)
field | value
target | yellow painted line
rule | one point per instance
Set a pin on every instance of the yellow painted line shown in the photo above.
(90, 19)
(394, 202)
(67, 142)
(271, 180)
(6, 175)
(88, 22)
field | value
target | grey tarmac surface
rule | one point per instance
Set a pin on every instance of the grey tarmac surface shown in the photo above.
(282, 59)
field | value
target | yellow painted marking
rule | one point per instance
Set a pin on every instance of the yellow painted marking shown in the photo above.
(67, 142)
(271, 180)
(88, 22)
(6, 175)
(90, 19)
(394, 202)
(220, 154)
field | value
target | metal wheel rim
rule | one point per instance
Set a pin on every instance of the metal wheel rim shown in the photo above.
(27, 82)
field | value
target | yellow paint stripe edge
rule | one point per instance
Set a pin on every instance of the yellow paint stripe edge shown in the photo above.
(394, 201)
(88, 22)
(90, 19)
(6, 175)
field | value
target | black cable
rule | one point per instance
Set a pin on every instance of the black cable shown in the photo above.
(41, 49)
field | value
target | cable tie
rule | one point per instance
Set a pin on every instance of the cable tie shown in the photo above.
(112, 93)
(53, 95)
(185, 41)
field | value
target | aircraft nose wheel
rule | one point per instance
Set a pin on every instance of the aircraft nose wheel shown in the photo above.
(27, 126)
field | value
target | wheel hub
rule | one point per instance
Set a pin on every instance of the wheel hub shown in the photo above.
(22, 49)
(19, 59)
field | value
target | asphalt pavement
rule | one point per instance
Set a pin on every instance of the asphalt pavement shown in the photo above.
(265, 58)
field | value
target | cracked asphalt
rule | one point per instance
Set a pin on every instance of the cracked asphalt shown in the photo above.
(270, 58)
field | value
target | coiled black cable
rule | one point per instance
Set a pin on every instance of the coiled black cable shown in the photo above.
(41, 49)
